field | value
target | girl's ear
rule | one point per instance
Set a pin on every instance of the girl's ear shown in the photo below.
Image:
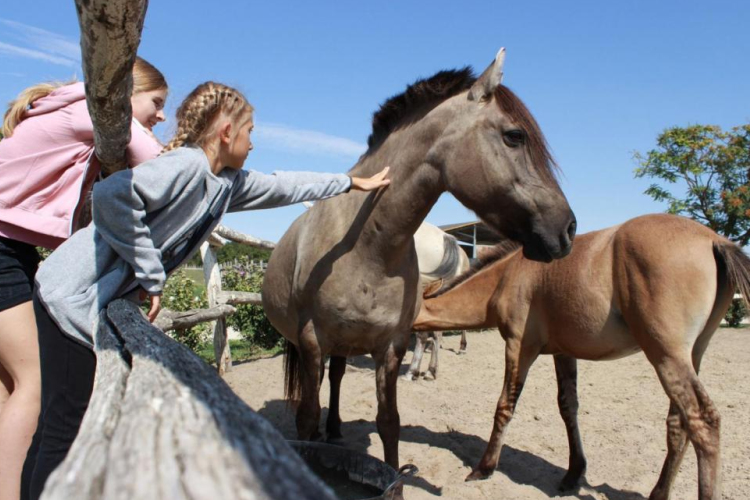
(225, 132)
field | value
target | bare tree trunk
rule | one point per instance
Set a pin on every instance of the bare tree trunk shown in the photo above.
(110, 34)
(162, 425)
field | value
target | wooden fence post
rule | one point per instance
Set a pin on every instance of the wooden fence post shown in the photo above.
(212, 275)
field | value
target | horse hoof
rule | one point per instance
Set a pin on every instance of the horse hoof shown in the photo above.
(409, 377)
(336, 440)
(569, 483)
(477, 475)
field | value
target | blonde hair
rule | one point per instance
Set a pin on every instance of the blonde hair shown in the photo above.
(200, 110)
(145, 79)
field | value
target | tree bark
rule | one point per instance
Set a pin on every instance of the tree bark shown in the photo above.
(234, 298)
(173, 320)
(162, 425)
(238, 237)
(110, 35)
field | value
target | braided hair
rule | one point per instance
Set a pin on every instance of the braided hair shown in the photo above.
(200, 109)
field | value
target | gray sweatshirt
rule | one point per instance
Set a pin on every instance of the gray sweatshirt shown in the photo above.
(149, 220)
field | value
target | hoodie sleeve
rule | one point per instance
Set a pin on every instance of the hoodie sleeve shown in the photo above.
(121, 203)
(253, 190)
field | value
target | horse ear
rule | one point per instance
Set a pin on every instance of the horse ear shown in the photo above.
(432, 288)
(492, 77)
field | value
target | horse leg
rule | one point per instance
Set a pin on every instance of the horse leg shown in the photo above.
(416, 358)
(698, 419)
(566, 370)
(462, 347)
(336, 371)
(436, 338)
(388, 420)
(311, 365)
(518, 360)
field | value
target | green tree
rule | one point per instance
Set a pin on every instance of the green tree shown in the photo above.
(714, 168)
(234, 251)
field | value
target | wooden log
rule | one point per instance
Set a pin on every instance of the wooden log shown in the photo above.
(235, 298)
(162, 425)
(212, 275)
(110, 35)
(175, 320)
(239, 237)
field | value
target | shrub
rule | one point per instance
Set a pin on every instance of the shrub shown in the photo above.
(182, 294)
(736, 313)
(249, 320)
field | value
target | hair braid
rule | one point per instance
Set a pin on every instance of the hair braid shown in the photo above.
(200, 109)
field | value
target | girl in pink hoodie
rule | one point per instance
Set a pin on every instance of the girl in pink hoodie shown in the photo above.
(47, 169)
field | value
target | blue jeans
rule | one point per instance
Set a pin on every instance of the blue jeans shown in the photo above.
(68, 370)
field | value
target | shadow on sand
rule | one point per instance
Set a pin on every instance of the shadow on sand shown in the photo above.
(519, 466)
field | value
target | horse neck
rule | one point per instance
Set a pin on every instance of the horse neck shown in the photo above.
(466, 306)
(415, 187)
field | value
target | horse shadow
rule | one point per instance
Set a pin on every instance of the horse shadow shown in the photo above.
(520, 466)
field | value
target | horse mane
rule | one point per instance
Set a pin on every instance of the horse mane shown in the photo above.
(422, 94)
(427, 93)
(498, 252)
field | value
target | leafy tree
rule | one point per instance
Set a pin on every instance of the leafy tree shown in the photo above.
(234, 251)
(714, 167)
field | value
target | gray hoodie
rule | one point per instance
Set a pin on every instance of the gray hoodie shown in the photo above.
(150, 219)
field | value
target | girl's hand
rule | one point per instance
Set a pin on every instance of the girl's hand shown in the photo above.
(155, 307)
(155, 304)
(371, 183)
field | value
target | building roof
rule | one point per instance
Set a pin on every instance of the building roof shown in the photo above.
(464, 233)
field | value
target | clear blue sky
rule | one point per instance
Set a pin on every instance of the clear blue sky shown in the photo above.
(602, 78)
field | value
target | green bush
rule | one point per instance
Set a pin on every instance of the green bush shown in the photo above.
(182, 294)
(736, 313)
(249, 320)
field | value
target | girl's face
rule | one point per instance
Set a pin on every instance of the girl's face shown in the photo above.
(148, 107)
(237, 149)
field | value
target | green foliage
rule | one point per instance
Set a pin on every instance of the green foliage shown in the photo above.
(250, 320)
(182, 294)
(736, 313)
(713, 166)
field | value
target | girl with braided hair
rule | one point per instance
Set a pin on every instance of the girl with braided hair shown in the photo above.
(47, 168)
(148, 221)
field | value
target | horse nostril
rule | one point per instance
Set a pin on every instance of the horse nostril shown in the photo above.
(572, 229)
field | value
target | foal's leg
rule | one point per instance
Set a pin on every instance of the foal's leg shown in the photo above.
(416, 358)
(566, 370)
(311, 365)
(701, 422)
(388, 420)
(518, 360)
(462, 347)
(336, 370)
(436, 338)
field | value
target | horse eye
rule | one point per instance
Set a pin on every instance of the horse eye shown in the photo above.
(514, 138)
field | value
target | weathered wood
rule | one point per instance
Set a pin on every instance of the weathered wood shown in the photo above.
(163, 425)
(234, 298)
(238, 237)
(110, 35)
(176, 320)
(216, 241)
(212, 275)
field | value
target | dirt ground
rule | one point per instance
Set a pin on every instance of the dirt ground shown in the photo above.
(446, 423)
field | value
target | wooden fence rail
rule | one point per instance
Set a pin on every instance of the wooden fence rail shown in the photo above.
(163, 425)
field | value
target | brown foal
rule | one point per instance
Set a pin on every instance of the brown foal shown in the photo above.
(657, 283)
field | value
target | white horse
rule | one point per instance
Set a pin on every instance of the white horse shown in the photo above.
(439, 257)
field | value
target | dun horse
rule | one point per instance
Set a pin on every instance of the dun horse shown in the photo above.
(343, 281)
(657, 283)
(440, 257)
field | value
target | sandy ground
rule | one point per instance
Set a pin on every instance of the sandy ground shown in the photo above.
(446, 423)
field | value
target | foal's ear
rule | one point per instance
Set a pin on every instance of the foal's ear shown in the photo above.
(485, 86)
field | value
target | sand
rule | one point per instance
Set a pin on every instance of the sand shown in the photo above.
(446, 422)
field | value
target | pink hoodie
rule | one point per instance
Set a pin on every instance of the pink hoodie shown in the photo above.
(48, 163)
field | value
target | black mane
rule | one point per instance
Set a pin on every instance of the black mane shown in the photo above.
(424, 93)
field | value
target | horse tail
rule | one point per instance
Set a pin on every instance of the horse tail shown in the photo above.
(736, 266)
(292, 380)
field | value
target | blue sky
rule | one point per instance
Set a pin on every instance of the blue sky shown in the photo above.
(602, 78)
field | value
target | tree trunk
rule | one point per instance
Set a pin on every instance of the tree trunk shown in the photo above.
(110, 34)
(162, 425)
